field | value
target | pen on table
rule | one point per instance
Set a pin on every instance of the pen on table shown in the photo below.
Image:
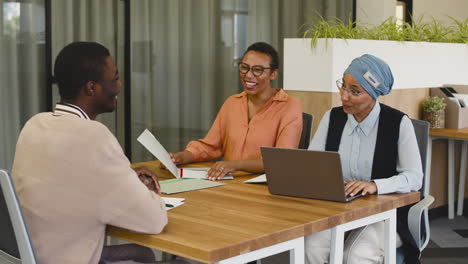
(169, 205)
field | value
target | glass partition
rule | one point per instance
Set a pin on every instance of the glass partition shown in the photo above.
(22, 72)
(185, 55)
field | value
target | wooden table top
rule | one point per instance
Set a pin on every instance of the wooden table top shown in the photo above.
(223, 222)
(460, 133)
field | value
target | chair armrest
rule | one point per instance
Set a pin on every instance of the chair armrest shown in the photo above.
(414, 220)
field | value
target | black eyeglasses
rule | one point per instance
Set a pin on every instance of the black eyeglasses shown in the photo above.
(257, 70)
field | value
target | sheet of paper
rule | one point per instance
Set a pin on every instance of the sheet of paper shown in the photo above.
(259, 179)
(185, 185)
(149, 141)
(172, 202)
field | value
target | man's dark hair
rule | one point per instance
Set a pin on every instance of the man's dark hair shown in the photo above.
(268, 50)
(77, 64)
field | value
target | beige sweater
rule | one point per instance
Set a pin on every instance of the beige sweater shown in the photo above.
(72, 180)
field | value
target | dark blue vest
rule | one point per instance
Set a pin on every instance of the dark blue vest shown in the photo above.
(384, 163)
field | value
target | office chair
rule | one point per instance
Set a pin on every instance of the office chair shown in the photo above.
(418, 219)
(307, 122)
(15, 245)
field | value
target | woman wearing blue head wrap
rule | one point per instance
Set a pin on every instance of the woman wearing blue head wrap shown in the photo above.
(379, 155)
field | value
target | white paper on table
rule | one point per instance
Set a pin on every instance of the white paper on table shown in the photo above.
(172, 202)
(149, 141)
(259, 179)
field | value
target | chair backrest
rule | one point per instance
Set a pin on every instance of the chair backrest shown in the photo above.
(307, 121)
(15, 245)
(421, 129)
(418, 218)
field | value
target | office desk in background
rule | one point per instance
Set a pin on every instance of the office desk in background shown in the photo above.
(239, 222)
(451, 135)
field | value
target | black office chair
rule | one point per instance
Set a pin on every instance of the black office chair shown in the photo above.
(15, 246)
(307, 122)
(418, 219)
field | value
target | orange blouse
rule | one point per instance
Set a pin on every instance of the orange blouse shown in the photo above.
(277, 124)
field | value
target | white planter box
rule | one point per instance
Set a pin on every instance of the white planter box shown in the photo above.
(414, 64)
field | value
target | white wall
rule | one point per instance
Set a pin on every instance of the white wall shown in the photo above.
(374, 12)
(439, 9)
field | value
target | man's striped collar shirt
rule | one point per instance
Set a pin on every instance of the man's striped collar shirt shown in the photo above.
(69, 109)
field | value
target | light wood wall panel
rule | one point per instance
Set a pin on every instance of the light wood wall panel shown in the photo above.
(407, 101)
(314, 103)
(317, 103)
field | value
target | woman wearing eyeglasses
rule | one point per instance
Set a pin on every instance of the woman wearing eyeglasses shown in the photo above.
(379, 155)
(259, 116)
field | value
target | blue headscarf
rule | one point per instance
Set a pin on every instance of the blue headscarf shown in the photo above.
(373, 74)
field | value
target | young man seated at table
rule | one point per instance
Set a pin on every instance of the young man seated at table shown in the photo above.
(72, 176)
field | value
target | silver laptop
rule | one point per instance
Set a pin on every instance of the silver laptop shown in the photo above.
(305, 173)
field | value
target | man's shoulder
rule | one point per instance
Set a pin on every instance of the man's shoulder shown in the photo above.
(37, 119)
(68, 125)
(41, 115)
(96, 127)
(95, 132)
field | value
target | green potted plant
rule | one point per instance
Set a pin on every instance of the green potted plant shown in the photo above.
(391, 29)
(434, 111)
(437, 50)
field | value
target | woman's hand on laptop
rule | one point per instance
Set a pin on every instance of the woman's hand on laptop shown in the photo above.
(220, 169)
(354, 187)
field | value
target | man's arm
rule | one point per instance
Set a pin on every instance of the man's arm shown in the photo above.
(125, 201)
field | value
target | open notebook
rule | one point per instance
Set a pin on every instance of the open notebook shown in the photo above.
(184, 185)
